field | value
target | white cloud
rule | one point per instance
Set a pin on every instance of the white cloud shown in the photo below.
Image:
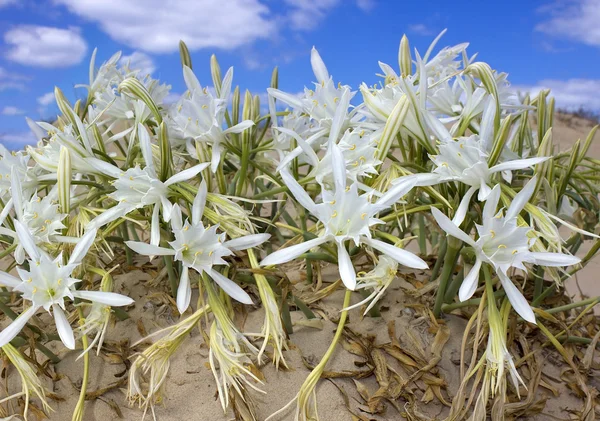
(16, 141)
(45, 46)
(4, 3)
(46, 99)
(365, 5)
(307, 14)
(10, 80)
(569, 94)
(157, 26)
(420, 29)
(139, 61)
(10, 110)
(576, 20)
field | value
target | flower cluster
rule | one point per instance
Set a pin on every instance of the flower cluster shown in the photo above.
(203, 182)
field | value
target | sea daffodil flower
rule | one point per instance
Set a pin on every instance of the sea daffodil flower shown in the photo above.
(200, 248)
(137, 187)
(502, 244)
(48, 282)
(346, 215)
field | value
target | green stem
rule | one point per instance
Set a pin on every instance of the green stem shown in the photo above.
(78, 413)
(172, 278)
(449, 264)
(447, 308)
(567, 307)
(440, 258)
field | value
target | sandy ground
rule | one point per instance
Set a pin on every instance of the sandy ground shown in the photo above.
(567, 130)
(190, 392)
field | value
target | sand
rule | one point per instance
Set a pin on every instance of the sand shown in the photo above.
(190, 392)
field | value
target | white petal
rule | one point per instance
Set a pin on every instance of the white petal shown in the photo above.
(306, 148)
(16, 192)
(484, 191)
(155, 227)
(289, 99)
(191, 81)
(347, 272)
(167, 208)
(187, 174)
(13, 329)
(215, 160)
(339, 167)
(199, 203)
(108, 298)
(463, 207)
(27, 241)
(240, 127)
(437, 128)
(570, 226)
(36, 129)
(290, 253)
(401, 256)
(8, 280)
(104, 167)
(231, 288)
(109, 215)
(398, 190)
(491, 204)
(184, 291)
(448, 226)
(297, 191)
(517, 164)
(148, 249)
(82, 247)
(298, 150)
(551, 259)
(339, 117)
(517, 299)
(425, 179)
(146, 147)
(176, 219)
(469, 284)
(6, 210)
(226, 84)
(318, 66)
(521, 199)
(63, 327)
(247, 241)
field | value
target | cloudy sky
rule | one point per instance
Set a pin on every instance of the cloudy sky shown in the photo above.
(47, 43)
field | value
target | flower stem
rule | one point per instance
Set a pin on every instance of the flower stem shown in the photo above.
(571, 306)
(172, 278)
(449, 263)
(78, 413)
(309, 384)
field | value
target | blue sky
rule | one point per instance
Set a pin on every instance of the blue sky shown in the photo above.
(551, 44)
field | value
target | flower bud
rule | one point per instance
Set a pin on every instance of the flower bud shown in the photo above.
(64, 180)
(404, 57)
(184, 54)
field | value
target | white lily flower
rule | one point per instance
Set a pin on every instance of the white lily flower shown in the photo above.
(200, 248)
(137, 187)
(346, 215)
(9, 162)
(321, 103)
(200, 116)
(503, 244)
(48, 282)
(465, 161)
(378, 280)
(39, 216)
